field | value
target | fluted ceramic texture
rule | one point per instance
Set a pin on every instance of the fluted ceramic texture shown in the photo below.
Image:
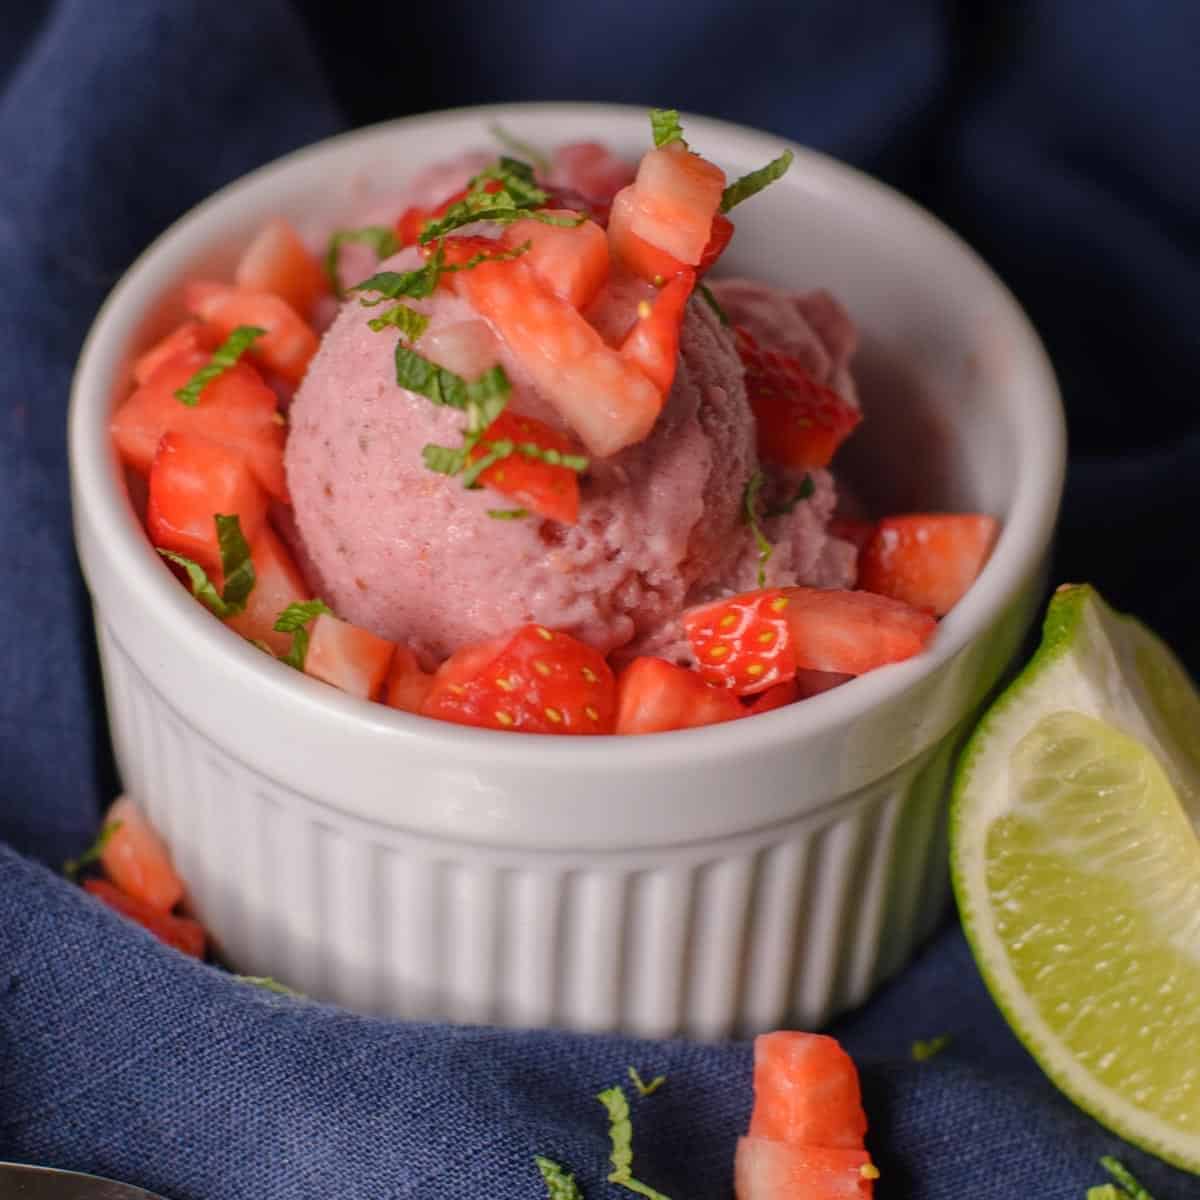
(790, 924)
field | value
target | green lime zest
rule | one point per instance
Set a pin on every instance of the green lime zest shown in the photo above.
(560, 1183)
(665, 126)
(73, 866)
(620, 1136)
(236, 566)
(223, 357)
(379, 238)
(1125, 1180)
(750, 518)
(508, 514)
(754, 182)
(646, 1089)
(268, 984)
(412, 324)
(295, 620)
(923, 1051)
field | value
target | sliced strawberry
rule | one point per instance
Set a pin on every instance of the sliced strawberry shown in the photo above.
(278, 583)
(410, 223)
(644, 260)
(606, 400)
(800, 422)
(928, 560)
(407, 684)
(571, 259)
(348, 657)
(676, 196)
(806, 1092)
(653, 342)
(767, 1170)
(533, 681)
(289, 343)
(778, 696)
(722, 233)
(853, 530)
(236, 409)
(654, 695)
(743, 642)
(277, 261)
(182, 933)
(549, 490)
(191, 480)
(136, 860)
(813, 683)
(192, 335)
(853, 632)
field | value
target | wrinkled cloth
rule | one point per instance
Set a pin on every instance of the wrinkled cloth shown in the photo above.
(1059, 138)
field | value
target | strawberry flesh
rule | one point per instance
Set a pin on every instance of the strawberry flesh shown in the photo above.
(654, 696)
(743, 642)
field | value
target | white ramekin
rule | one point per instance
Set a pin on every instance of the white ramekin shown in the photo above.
(707, 882)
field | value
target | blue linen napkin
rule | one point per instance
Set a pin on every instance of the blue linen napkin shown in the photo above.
(1060, 139)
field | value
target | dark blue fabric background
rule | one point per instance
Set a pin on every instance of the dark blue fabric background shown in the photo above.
(1061, 138)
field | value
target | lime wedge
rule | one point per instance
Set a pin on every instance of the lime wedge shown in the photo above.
(1076, 863)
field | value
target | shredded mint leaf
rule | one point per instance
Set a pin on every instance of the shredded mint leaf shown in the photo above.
(236, 565)
(295, 620)
(223, 357)
(380, 238)
(445, 460)
(752, 184)
(73, 866)
(560, 1184)
(922, 1051)
(711, 300)
(410, 322)
(518, 147)
(750, 518)
(646, 1089)
(803, 492)
(508, 514)
(620, 1136)
(664, 125)
(493, 453)
(503, 214)
(427, 379)
(416, 284)
(1124, 1179)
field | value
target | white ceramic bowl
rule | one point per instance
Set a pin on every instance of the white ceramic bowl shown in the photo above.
(706, 882)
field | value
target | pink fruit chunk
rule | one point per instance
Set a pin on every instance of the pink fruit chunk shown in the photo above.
(137, 861)
(348, 657)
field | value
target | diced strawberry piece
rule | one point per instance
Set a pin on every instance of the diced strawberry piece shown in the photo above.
(722, 233)
(571, 259)
(407, 684)
(136, 860)
(192, 335)
(653, 342)
(813, 683)
(289, 343)
(644, 260)
(928, 560)
(853, 530)
(410, 223)
(743, 642)
(549, 490)
(676, 195)
(853, 632)
(182, 933)
(278, 583)
(592, 169)
(277, 261)
(607, 401)
(654, 695)
(767, 1170)
(778, 696)
(467, 348)
(806, 1092)
(800, 422)
(192, 479)
(350, 658)
(236, 409)
(533, 681)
